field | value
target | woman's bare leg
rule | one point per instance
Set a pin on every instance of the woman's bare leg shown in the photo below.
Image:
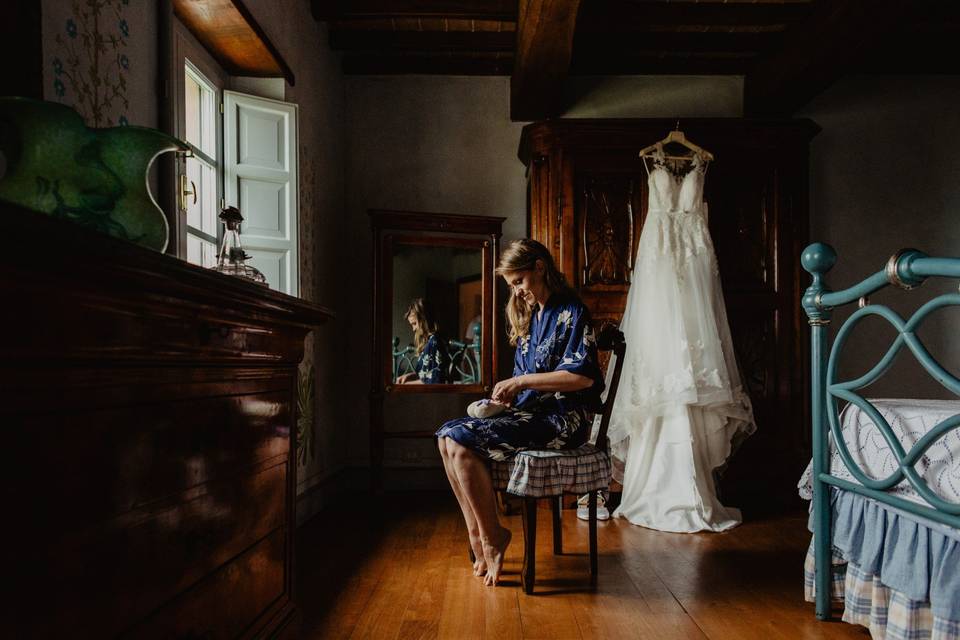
(477, 486)
(480, 563)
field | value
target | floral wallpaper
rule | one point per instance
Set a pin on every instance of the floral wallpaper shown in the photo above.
(307, 423)
(305, 415)
(93, 64)
(100, 57)
(307, 187)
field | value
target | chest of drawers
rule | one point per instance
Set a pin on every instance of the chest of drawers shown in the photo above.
(148, 410)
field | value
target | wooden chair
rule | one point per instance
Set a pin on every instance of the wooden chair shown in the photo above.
(535, 474)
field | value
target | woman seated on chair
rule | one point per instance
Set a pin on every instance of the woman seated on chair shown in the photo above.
(433, 358)
(556, 382)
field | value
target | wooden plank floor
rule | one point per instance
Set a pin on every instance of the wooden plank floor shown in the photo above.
(396, 567)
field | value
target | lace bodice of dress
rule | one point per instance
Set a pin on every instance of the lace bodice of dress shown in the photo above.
(676, 194)
(676, 224)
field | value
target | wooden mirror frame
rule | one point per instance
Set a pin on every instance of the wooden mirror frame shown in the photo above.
(391, 228)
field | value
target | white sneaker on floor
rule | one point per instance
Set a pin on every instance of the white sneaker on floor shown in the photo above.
(583, 509)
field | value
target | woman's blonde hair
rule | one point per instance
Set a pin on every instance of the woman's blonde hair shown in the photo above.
(522, 255)
(426, 322)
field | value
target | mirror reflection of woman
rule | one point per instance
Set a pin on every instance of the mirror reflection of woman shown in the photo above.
(433, 359)
(556, 381)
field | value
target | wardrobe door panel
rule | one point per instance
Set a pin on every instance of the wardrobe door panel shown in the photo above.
(544, 225)
(607, 212)
(753, 327)
(743, 223)
(610, 205)
(763, 473)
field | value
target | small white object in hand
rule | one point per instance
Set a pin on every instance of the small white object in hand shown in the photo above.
(485, 408)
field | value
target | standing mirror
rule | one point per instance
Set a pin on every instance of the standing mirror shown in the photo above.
(434, 320)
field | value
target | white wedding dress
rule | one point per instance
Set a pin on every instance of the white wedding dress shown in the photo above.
(680, 404)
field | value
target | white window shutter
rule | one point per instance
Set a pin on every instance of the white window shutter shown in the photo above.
(260, 179)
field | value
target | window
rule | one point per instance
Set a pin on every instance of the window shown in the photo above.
(200, 179)
(244, 154)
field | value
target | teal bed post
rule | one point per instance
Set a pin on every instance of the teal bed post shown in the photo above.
(817, 260)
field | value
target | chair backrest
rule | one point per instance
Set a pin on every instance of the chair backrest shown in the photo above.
(610, 338)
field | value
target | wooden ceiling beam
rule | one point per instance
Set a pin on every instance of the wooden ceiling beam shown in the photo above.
(544, 46)
(619, 16)
(814, 54)
(387, 41)
(459, 9)
(915, 53)
(392, 64)
(659, 64)
(678, 41)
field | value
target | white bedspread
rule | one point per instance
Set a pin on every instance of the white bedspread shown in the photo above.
(909, 419)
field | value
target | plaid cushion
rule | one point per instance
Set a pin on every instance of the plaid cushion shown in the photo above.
(887, 613)
(545, 472)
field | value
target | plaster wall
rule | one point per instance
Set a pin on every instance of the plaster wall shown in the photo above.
(654, 97)
(885, 175)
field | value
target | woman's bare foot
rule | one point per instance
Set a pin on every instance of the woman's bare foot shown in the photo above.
(494, 551)
(479, 562)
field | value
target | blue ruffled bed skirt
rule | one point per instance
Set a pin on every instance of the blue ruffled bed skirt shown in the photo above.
(863, 600)
(910, 555)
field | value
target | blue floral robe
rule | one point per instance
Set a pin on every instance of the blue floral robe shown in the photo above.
(561, 339)
(433, 364)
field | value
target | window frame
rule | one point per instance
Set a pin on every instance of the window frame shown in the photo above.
(187, 52)
(215, 163)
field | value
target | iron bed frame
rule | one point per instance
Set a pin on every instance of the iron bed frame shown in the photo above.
(907, 269)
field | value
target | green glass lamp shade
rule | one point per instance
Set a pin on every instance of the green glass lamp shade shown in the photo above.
(95, 177)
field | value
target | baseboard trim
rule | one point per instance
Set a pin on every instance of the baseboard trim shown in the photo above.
(322, 493)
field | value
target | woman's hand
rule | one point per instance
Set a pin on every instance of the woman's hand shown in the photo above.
(506, 390)
(406, 378)
(548, 381)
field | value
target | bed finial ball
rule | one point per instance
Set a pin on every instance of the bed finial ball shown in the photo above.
(818, 257)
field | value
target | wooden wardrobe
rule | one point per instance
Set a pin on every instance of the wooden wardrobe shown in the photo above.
(587, 201)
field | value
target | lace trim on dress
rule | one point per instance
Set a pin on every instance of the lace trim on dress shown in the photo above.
(677, 224)
(645, 387)
(680, 240)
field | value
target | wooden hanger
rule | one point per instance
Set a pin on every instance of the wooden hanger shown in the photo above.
(676, 136)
